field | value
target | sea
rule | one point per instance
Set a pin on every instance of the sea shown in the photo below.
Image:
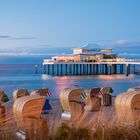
(18, 71)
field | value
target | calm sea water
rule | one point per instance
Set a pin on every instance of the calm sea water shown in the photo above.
(19, 72)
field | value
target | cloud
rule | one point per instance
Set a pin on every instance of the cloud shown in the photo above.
(17, 38)
(25, 53)
(22, 38)
(119, 43)
(4, 36)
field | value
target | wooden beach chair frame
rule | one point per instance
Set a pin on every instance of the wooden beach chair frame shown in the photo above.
(127, 107)
(26, 109)
(72, 106)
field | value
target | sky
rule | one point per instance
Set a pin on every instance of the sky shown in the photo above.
(67, 23)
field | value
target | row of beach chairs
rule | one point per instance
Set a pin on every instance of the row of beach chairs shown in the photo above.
(127, 104)
(74, 102)
(27, 109)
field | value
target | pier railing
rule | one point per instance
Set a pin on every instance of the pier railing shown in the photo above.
(105, 60)
(132, 60)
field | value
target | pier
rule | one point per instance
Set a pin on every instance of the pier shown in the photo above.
(90, 68)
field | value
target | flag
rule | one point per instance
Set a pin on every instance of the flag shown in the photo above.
(83, 95)
(101, 92)
(49, 93)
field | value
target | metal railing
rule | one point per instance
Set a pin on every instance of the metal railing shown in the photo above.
(132, 60)
(105, 60)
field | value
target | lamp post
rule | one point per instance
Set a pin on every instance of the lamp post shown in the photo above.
(36, 69)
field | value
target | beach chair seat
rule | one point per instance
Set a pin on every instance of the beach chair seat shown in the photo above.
(27, 112)
(71, 103)
(20, 93)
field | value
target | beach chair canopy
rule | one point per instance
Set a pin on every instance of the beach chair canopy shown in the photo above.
(68, 95)
(41, 92)
(20, 93)
(3, 97)
(90, 94)
(92, 100)
(127, 106)
(106, 90)
(27, 107)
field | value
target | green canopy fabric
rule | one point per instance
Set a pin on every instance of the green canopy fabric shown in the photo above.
(3, 97)
(111, 90)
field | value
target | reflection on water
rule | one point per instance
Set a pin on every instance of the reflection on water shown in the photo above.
(115, 76)
(22, 76)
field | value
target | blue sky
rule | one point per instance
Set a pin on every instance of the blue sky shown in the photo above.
(67, 23)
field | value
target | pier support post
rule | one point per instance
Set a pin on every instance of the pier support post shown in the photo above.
(48, 69)
(57, 67)
(134, 69)
(70, 69)
(66, 69)
(90, 69)
(96, 69)
(52, 69)
(84, 69)
(80, 70)
(87, 70)
(102, 67)
(121, 68)
(73, 69)
(61, 69)
(36, 69)
(106, 69)
(111, 69)
(76, 69)
(127, 69)
(44, 71)
(115, 69)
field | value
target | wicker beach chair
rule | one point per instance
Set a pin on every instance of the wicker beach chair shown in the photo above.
(3, 98)
(127, 107)
(27, 113)
(20, 93)
(43, 92)
(92, 100)
(71, 103)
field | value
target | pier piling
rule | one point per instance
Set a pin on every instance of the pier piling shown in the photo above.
(88, 68)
